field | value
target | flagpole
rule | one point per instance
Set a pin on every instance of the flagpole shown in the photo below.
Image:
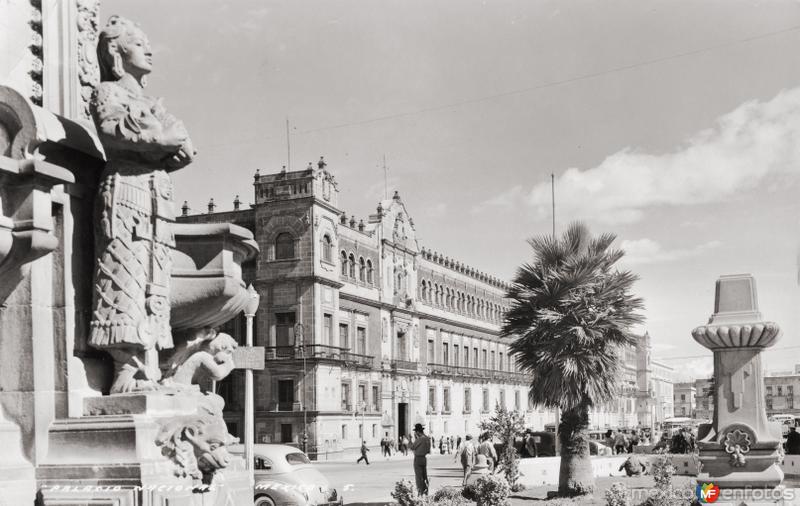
(288, 148)
(385, 179)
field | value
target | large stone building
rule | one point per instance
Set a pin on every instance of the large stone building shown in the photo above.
(367, 333)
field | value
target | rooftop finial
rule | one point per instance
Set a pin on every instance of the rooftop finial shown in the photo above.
(396, 195)
(185, 208)
(257, 174)
(236, 203)
(211, 205)
(321, 163)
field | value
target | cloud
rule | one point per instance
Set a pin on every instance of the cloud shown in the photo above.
(648, 251)
(690, 370)
(504, 201)
(436, 210)
(744, 147)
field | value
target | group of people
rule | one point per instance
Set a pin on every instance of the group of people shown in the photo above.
(472, 456)
(620, 442)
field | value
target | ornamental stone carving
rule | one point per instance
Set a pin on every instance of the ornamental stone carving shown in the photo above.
(197, 444)
(134, 211)
(737, 445)
(88, 72)
(206, 355)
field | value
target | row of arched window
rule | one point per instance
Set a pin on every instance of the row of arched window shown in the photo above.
(356, 269)
(453, 300)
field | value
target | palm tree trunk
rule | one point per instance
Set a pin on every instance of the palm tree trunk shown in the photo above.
(576, 476)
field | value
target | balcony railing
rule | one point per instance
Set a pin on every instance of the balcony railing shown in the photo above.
(404, 365)
(319, 352)
(477, 373)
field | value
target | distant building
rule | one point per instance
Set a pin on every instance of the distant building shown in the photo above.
(782, 395)
(704, 399)
(684, 399)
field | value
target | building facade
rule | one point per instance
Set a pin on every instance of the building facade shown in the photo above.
(685, 399)
(367, 333)
(782, 394)
(782, 397)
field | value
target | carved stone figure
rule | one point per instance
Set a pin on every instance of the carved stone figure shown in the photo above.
(197, 444)
(206, 355)
(135, 211)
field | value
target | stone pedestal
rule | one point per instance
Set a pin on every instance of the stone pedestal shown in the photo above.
(120, 452)
(740, 447)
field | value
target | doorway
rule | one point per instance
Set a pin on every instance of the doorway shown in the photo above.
(402, 419)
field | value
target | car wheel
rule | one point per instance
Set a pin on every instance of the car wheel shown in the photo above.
(264, 500)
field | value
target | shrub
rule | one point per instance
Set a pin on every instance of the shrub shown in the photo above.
(470, 492)
(492, 490)
(449, 496)
(666, 493)
(405, 493)
(618, 495)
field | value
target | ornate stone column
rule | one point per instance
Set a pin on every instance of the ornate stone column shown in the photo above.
(740, 447)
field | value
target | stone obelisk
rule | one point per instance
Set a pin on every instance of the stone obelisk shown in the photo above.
(740, 448)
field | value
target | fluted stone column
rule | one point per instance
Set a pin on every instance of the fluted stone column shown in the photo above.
(740, 447)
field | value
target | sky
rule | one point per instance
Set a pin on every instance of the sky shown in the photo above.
(673, 124)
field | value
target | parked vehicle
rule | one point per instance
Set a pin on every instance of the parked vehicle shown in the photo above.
(285, 475)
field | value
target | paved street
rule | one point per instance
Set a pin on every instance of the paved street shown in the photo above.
(373, 484)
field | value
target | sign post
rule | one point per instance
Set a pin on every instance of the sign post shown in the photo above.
(249, 358)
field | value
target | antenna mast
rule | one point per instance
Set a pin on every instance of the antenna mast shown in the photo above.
(553, 198)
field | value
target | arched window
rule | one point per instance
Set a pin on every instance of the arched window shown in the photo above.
(370, 275)
(344, 263)
(362, 269)
(352, 261)
(284, 246)
(327, 248)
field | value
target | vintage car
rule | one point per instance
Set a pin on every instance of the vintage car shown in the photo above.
(284, 475)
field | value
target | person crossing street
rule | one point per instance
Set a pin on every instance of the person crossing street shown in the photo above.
(364, 451)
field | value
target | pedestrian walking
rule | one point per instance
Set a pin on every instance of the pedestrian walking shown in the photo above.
(386, 446)
(486, 448)
(619, 443)
(466, 454)
(458, 442)
(421, 448)
(364, 451)
(404, 442)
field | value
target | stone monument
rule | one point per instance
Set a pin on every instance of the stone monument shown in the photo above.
(108, 308)
(740, 448)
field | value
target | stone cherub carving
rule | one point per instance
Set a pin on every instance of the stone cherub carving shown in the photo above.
(197, 444)
(206, 355)
(135, 211)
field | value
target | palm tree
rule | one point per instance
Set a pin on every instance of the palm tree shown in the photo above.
(570, 317)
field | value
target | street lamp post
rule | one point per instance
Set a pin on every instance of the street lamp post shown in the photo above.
(249, 436)
(300, 337)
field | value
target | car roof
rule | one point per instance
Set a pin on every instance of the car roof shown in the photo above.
(271, 451)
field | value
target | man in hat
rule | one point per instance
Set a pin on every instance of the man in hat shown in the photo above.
(421, 448)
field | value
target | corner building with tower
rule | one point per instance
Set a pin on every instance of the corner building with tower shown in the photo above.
(366, 333)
